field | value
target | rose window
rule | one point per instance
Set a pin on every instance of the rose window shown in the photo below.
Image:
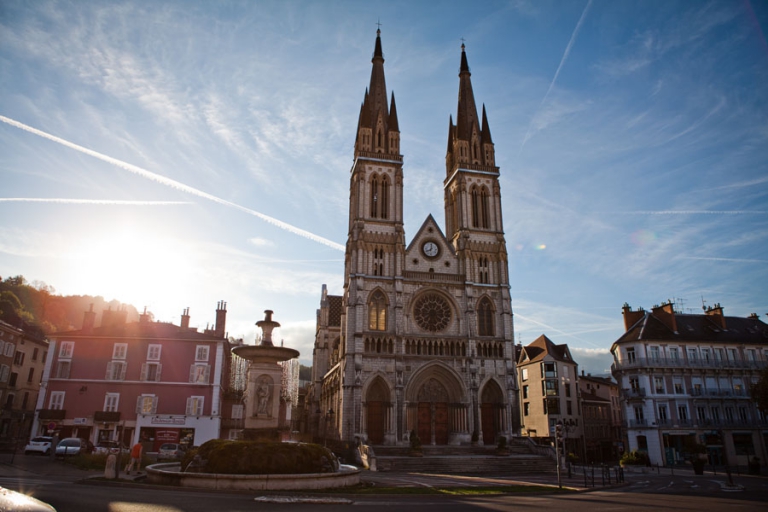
(432, 312)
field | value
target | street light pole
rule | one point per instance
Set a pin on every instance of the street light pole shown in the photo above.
(558, 440)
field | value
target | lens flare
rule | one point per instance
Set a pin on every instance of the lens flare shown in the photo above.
(643, 237)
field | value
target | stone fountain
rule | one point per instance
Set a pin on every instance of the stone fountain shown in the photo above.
(264, 376)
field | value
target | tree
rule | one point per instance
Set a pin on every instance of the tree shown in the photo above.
(759, 391)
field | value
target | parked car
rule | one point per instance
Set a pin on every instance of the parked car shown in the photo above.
(171, 451)
(73, 446)
(39, 444)
(110, 447)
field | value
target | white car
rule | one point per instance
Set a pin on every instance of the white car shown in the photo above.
(39, 444)
(107, 447)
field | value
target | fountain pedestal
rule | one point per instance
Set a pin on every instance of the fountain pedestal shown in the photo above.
(264, 377)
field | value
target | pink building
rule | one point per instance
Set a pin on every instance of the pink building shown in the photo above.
(145, 381)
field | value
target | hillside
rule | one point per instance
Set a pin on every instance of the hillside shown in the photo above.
(37, 309)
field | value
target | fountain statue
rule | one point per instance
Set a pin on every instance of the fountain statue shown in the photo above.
(264, 376)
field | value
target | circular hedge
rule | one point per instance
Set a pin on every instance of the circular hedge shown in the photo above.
(258, 458)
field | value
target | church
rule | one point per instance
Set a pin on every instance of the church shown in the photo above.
(421, 341)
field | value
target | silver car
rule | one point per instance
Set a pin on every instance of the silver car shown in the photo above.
(73, 446)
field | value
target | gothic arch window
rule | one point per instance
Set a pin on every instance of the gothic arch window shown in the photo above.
(485, 217)
(377, 312)
(374, 196)
(384, 199)
(378, 261)
(485, 317)
(475, 208)
(483, 273)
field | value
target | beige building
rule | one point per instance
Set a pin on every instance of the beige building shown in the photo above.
(549, 392)
(421, 339)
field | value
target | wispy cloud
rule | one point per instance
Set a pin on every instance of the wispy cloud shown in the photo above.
(173, 184)
(116, 202)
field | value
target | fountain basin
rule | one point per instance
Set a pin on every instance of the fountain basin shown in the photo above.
(171, 474)
(265, 354)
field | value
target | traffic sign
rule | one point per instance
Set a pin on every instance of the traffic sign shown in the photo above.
(52, 425)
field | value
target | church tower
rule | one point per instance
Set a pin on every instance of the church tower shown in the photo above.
(421, 340)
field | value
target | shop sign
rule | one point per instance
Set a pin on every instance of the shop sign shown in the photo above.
(167, 421)
(80, 421)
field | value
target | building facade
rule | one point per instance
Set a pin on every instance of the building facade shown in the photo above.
(421, 339)
(549, 393)
(145, 381)
(601, 414)
(22, 357)
(685, 380)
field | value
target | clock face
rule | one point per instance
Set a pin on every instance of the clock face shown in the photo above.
(430, 249)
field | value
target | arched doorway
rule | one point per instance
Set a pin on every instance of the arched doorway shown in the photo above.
(433, 413)
(377, 401)
(491, 411)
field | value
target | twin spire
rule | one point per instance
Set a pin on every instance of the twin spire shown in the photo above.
(378, 131)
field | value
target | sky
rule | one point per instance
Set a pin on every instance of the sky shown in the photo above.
(174, 154)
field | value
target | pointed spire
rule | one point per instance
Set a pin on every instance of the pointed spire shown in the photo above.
(392, 122)
(466, 117)
(486, 129)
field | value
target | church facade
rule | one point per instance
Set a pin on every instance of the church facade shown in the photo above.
(421, 341)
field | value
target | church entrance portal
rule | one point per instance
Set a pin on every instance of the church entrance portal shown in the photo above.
(433, 418)
(491, 412)
(376, 411)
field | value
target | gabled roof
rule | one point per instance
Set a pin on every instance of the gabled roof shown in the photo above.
(587, 396)
(437, 233)
(542, 347)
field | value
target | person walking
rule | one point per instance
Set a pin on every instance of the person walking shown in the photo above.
(135, 459)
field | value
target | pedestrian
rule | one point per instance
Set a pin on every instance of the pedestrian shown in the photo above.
(135, 459)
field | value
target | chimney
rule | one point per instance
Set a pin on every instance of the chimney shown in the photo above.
(121, 316)
(221, 319)
(716, 312)
(185, 319)
(106, 317)
(753, 316)
(144, 317)
(666, 314)
(89, 319)
(631, 317)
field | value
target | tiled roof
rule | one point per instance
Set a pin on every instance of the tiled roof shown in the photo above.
(541, 347)
(698, 328)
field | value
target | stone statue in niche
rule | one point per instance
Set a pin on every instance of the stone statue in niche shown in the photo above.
(263, 395)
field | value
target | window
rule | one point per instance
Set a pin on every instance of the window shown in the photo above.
(57, 400)
(663, 414)
(18, 359)
(701, 413)
(119, 350)
(552, 406)
(658, 384)
(526, 408)
(550, 388)
(45, 355)
(237, 411)
(483, 275)
(199, 373)
(116, 370)
(692, 354)
(66, 349)
(35, 352)
(568, 409)
(31, 375)
(715, 411)
(729, 416)
(631, 355)
(682, 412)
(146, 404)
(25, 400)
(377, 312)
(111, 401)
(5, 371)
(195, 406)
(674, 354)
(750, 354)
(62, 369)
(151, 372)
(639, 413)
(634, 383)
(10, 348)
(374, 196)
(549, 370)
(201, 354)
(485, 317)
(567, 388)
(153, 352)
(12, 381)
(654, 353)
(525, 391)
(732, 354)
(705, 355)
(679, 389)
(524, 374)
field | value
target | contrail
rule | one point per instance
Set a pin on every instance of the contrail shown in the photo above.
(554, 329)
(557, 73)
(735, 260)
(174, 184)
(690, 212)
(117, 202)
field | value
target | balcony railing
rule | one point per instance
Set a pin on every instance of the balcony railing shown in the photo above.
(667, 362)
(718, 393)
(634, 392)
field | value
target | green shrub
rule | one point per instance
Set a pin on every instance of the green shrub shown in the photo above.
(634, 458)
(259, 458)
(415, 441)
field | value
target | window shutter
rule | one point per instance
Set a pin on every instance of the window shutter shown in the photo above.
(154, 404)
(143, 371)
(157, 374)
(109, 371)
(207, 374)
(123, 368)
(139, 402)
(190, 412)
(192, 373)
